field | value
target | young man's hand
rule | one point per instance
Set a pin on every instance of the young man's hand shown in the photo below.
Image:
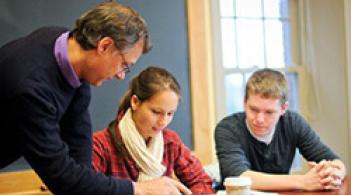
(331, 174)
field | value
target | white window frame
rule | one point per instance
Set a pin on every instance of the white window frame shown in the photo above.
(220, 72)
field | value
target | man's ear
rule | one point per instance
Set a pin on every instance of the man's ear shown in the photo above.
(104, 44)
(285, 107)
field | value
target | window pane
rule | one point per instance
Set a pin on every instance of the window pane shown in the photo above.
(227, 7)
(234, 92)
(287, 43)
(250, 43)
(271, 8)
(293, 91)
(248, 8)
(228, 43)
(274, 44)
(276, 8)
(247, 76)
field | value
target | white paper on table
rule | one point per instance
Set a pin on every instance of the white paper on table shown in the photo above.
(253, 192)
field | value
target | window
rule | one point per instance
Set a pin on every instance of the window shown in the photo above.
(252, 34)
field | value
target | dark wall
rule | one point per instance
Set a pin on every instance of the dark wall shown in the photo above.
(168, 28)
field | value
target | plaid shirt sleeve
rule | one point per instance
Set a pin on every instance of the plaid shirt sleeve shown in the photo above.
(188, 168)
(106, 159)
(99, 160)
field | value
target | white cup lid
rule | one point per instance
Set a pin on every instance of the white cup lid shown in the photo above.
(237, 181)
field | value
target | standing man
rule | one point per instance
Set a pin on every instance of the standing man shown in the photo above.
(45, 78)
(261, 142)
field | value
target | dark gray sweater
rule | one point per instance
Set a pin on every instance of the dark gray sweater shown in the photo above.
(238, 150)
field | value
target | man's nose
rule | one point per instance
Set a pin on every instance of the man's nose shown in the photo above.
(120, 76)
(260, 117)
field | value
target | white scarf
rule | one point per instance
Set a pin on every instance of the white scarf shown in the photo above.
(148, 158)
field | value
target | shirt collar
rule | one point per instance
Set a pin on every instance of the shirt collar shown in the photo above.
(266, 138)
(62, 58)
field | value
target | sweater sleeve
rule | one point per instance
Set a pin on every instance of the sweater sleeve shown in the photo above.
(230, 152)
(76, 127)
(49, 155)
(309, 143)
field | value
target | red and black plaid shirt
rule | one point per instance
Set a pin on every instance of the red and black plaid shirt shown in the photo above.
(111, 157)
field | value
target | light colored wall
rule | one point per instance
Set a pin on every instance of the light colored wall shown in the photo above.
(328, 38)
(347, 16)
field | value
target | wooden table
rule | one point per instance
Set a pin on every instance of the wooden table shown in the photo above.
(28, 183)
(21, 182)
(345, 190)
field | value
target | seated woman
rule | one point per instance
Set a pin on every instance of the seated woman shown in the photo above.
(138, 146)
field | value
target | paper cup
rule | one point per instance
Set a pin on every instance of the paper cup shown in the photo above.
(237, 185)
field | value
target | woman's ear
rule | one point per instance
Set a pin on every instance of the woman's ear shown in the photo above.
(134, 102)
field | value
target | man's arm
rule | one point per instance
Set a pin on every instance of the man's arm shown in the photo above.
(230, 150)
(314, 150)
(322, 176)
(311, 181)
(75, 126)
(48, 154)
(309, 143)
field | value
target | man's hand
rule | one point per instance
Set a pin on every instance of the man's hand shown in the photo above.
(330, 173)
(161, 186)
(312, 180)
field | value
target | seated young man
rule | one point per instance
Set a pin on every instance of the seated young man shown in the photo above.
(261, 142)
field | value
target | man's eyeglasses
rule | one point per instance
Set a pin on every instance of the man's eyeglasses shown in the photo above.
(126, 66)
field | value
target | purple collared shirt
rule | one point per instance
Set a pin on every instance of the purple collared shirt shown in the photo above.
(61, 55)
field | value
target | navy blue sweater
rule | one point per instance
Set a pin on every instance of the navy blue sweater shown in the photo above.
(46, 120)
